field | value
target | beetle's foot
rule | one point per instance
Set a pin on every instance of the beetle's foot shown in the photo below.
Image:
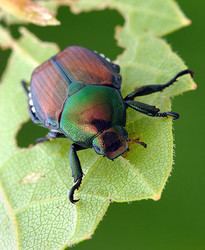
(167, 114)
(138, 142)
(72, 191)
(185, 72)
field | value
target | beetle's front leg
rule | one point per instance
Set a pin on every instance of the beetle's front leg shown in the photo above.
(150, 110)
(76, 169)
(149, 89)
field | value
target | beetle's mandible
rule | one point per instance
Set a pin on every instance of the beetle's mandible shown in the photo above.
(76, 94)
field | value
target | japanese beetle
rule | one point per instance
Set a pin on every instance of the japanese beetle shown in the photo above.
(76, 94)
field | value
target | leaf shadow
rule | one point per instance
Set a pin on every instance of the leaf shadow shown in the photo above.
(4, 56)
(29, 133)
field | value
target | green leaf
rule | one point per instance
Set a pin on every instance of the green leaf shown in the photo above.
(34, 211)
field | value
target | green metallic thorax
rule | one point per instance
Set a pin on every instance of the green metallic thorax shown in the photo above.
(91, 110)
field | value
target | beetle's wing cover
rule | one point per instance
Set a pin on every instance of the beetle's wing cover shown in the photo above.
(89, 67)
(49, 92)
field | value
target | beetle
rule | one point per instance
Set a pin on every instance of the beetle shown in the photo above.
(76, 94)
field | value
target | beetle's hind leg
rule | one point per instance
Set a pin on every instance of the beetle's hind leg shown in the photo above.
(149, 89)
(25, 86)
(150, 110)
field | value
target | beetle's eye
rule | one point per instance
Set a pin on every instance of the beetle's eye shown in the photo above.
(97, 149)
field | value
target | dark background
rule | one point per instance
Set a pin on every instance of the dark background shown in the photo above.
(177, 221)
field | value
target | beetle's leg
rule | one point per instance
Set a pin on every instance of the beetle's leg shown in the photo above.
(25, 86)
(116, 67)
(149, 89)
(150, 110)
(76, 169)
(51, 135)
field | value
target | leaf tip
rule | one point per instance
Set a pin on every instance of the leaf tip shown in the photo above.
(48, 19)
(45, 19)
(156, 197)
(194, 86)
(186, 21)
(53, 22)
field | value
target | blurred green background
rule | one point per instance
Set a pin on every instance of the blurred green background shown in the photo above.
(177, 221)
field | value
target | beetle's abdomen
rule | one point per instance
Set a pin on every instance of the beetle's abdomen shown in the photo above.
(49, 91)
(90, 111)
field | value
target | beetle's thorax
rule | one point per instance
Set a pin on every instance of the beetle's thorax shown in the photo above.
(90, 111)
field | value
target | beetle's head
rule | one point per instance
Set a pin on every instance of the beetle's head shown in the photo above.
(111, 142)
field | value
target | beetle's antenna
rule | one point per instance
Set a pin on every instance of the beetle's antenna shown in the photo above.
(137, 141)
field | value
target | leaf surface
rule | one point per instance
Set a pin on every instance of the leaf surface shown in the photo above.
(34, 209)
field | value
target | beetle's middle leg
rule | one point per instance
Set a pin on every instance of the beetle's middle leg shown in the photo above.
(51, 135)
(149, 89)
(150, 110)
